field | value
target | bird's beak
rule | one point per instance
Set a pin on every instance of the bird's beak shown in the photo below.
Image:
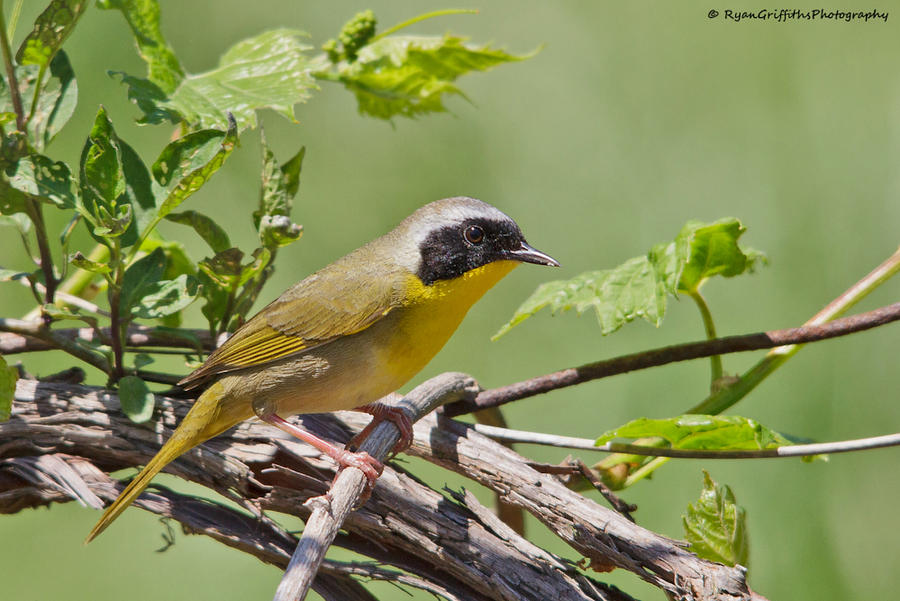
(528, 254)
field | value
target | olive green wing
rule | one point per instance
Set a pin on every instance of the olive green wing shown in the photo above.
(323, 307)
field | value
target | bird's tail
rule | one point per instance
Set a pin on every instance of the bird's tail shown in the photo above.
(203, 421)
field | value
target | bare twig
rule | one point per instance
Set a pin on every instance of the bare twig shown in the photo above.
(14, 341)
(586, 444)
(328, 515)
(617, 503)
(679, 352)
(38, 330)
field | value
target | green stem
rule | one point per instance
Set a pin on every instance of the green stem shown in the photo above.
(14, 18)
(710, 326)
(117, 324)
(645, 470)
(775, 358)
(11, 73)
(431, 15)
(37, 90)
(36, 212)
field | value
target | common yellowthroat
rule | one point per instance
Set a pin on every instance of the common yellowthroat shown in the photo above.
(349, 334)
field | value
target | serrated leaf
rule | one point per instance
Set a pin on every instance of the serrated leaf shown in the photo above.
(270, 71)
(8, 378)
(639, 287)
(409, 75)
(617, 296)
(716, 526)
(51, 29)
(43, 179)
(211, 232)
(141, 278)
(166, 297)
(136, 399)
(163, 69)
(711, 249)
(188, 163)
(713, 432)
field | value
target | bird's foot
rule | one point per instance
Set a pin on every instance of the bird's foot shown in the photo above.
(381, 412)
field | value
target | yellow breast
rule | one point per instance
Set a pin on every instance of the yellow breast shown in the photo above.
(431, 316)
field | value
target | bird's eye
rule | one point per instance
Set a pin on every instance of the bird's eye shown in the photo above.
(474, 234)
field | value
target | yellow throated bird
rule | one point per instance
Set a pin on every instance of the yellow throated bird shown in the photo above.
(351, 333)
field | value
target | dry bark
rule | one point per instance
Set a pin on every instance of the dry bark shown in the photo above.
(63, 439)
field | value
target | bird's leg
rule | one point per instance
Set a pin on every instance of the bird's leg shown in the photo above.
(367, 464)
(381, 412)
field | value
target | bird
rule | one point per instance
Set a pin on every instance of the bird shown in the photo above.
(349, 334)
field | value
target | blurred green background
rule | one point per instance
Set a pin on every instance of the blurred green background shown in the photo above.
(630, 121)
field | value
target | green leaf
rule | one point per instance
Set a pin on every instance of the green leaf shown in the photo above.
(639, 287)
(82, 262)
(43, 179)
(56, 102)
(117, 196)
(102, 175)
(710, 250)
(188, 163)
(163, 69)
(716, 526)
(12, 201)
(11, 275)
(8, 378)
(141, 278)
(717, 432)
(270, 71)
(61, 313)
(224, 268)
(279, 185)
(18, 221)
(136, 399)
(142, 360)
(617, 296)
(211, 232)
(409, 75)
(51, 29)
(166, 297)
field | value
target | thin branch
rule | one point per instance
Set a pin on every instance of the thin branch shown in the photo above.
(70, 299)
(329, 513)
(37, 330)
(672, 354)
(36, 213)
(586, 444)
(137, 336)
